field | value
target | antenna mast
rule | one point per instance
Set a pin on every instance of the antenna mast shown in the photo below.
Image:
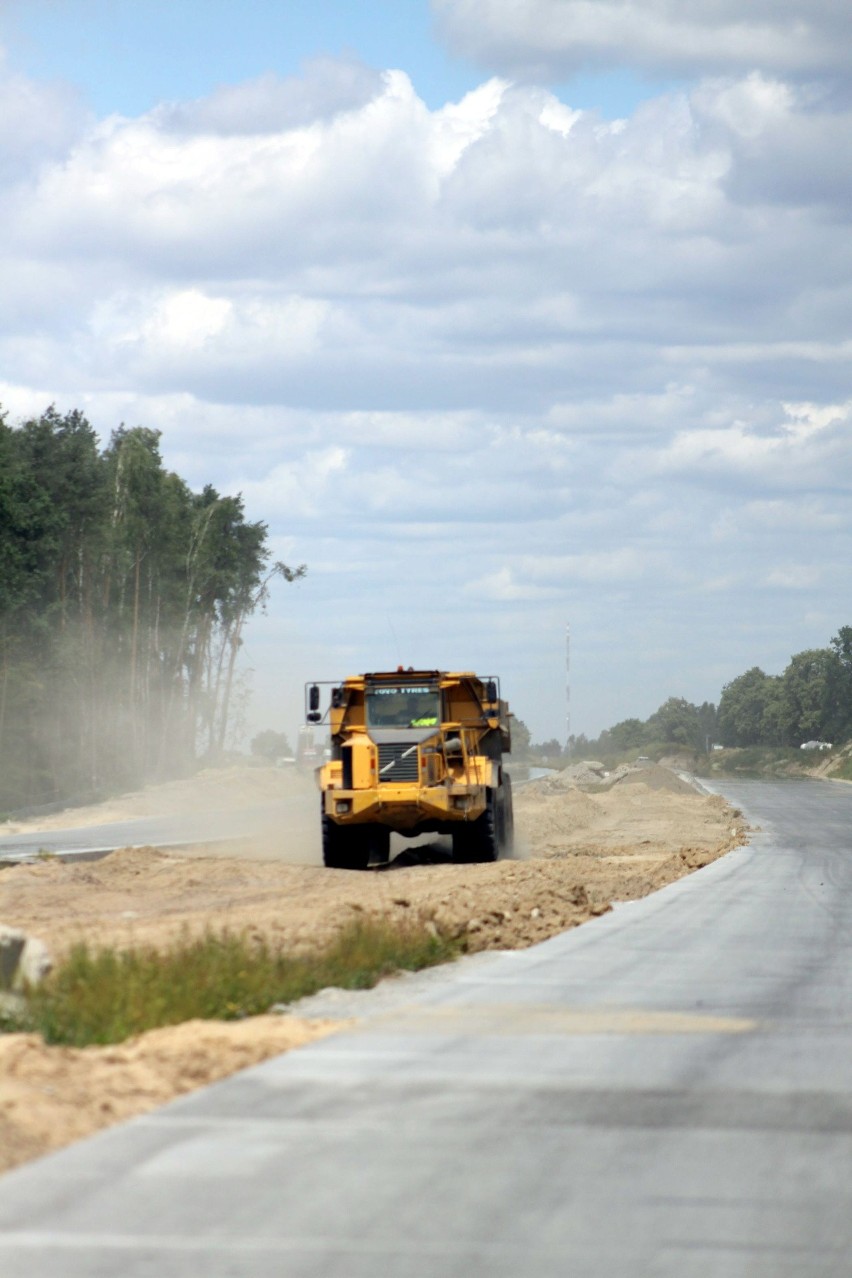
(567, 690)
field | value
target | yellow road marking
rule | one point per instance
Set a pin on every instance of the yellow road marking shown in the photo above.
(548, 1018)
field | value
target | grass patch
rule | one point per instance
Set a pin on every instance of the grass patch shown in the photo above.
(756, 761)
(106, 996)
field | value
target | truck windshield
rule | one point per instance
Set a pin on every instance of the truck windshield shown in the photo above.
(402, 706)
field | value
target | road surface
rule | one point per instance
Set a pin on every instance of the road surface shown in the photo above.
(665, 1091)
(296, 814)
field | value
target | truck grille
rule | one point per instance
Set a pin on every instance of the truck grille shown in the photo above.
(393, 767)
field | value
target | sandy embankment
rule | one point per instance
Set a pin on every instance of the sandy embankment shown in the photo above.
(582, 850)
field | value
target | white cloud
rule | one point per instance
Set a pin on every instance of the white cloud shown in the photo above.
(460, 124)
(38, 122)
(804, 420)
(776, 516)
(190, 335)
(326, 88)
(811, 445)
(746, 107)
(301, 488)
(484, 368)
(549, 39)
(188, 318)
(787, 145)
(795, 577)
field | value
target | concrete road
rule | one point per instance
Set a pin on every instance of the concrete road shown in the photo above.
(666, 1091)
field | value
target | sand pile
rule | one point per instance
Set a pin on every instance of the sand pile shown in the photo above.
(213, 790)
(593, 776)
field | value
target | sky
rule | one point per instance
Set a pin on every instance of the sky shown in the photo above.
(504, 315)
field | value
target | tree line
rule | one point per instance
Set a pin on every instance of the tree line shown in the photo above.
(123, 600)
(677, 722)
(810, 701)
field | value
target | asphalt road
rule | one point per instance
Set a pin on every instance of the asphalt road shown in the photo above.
(293, 820)
(665, 1091)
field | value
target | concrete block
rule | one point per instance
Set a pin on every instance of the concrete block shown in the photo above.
(12, 942)
(34, 963)
(24, 960)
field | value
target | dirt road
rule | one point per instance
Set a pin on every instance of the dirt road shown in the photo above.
(580, 850)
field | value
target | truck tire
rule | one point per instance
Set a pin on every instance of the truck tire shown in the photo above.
(478, 840)
(378, 844)
(344, 847)
(505, 818)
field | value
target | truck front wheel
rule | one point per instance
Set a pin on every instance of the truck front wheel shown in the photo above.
(344, 847)
(478, 840)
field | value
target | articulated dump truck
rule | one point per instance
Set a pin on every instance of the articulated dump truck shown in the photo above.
(413, 752)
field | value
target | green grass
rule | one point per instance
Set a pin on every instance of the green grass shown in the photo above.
(106, 996)
(756, 761)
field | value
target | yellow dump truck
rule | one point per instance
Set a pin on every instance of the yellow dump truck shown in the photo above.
(413, 752)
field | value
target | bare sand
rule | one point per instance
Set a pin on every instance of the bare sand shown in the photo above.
(52, 1096)
(579, 851)
(215, 789)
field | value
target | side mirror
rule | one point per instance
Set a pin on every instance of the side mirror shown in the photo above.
(313, 699)
(491, 690)
(314, 716)
(336, 698)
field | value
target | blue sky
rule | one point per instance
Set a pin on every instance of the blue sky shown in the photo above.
(503, 314)
(127, 56)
